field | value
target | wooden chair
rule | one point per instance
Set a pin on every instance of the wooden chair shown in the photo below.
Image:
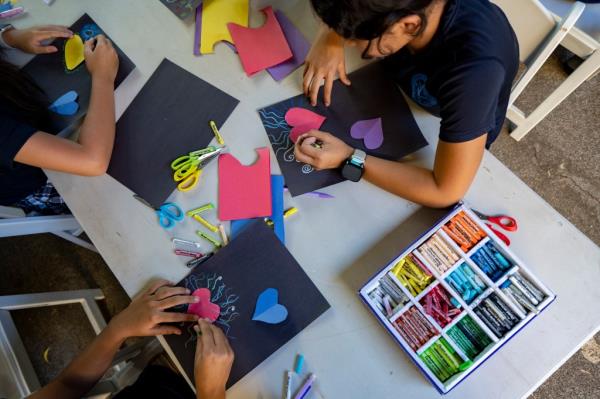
(539, 33)
(13, 222)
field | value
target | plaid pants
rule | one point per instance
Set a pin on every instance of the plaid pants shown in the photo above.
(44, 201)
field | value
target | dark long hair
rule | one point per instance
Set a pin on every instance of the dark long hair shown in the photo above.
(368, 19)
(21, 95)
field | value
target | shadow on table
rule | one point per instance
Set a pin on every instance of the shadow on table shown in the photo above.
(388, 248)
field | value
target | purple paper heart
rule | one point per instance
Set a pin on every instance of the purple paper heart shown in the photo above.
(371, 130)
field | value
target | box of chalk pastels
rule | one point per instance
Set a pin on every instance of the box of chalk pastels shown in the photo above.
(454, 297)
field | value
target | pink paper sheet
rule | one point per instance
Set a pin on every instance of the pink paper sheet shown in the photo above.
(244, 191)
(260, 48)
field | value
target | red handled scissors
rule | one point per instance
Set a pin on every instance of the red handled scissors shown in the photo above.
(503, 221)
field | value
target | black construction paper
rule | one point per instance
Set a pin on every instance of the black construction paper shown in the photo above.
(167, 119)
(182, 8)
(372, 94)
(50, 73)
(252, 262)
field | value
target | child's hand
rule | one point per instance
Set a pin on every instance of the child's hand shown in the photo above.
(146, 314)
(330, 153)
(101, 58)
(214, 358)
(33, 40)
(324, 61)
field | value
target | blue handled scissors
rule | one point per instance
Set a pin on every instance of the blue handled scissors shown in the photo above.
(188, 168)
(168, 214)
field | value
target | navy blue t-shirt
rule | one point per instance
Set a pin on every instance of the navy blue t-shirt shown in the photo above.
(465, 73)
(17, 181)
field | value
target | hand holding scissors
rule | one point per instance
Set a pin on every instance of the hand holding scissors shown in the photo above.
(188, 168)
(168, 214)
(503, 221)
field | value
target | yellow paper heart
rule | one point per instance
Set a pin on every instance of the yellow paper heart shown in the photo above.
(74, 52)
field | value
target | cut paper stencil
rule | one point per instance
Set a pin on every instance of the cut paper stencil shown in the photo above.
(204, 308)
(298, 44)
(236, 276)
(260, 48)
(216, 15)
(370, 130)
(372, 93)
(182, 8)
(301, 121)
(198, 33)
(74, 52)
(66, 104)
(267, 309)
(244, 191)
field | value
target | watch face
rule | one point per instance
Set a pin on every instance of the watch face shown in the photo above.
(352, 172)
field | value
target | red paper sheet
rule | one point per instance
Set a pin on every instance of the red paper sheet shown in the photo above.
(244, 191)
(260, 48)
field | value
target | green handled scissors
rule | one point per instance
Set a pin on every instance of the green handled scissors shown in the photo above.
(188, 168)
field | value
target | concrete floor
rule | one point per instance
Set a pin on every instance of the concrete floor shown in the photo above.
(559, 159)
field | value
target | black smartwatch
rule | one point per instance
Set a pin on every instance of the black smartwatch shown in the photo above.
(354, 167)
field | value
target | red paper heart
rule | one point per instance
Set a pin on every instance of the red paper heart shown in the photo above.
(204, 308)
(302, 120)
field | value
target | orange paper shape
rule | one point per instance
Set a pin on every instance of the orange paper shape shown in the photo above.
(261, 48)
(244, 191)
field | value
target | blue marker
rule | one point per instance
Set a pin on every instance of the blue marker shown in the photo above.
(302, 392)
(299, 364)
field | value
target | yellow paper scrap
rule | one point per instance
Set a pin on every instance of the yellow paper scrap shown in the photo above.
(216, 14)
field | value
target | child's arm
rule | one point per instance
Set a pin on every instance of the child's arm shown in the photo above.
(455, 167)
(143, 317)
(90, 155)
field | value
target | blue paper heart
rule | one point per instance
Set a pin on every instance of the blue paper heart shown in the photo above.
(267, 309)
(66, 104)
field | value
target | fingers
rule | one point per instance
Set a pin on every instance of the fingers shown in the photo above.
(299, 154)
(308, 77)
(174, 317)
(343, 76)
(220, 339)
(155, 285)
(314, 89)
(176, 301)
(206, 331)
(48, 49)
(50, 35)
(166, 330)
(168, 291)
(327, 89)
(88, 46)
(55, 28)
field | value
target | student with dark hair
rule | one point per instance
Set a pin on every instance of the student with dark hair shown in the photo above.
(25, 144)
(455, 58)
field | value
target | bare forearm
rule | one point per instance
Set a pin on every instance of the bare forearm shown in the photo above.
(86, 369)
(411, 182)
(98, 130)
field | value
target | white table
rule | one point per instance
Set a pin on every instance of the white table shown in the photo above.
(339, 242)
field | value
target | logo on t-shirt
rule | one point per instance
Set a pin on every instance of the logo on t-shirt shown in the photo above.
(419, 91)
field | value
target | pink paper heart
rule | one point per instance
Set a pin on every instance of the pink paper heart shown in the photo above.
(370, 130)
(204, 308)
(302, 120)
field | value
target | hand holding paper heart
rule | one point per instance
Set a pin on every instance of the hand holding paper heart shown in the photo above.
(332, 153)
(147, 313)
